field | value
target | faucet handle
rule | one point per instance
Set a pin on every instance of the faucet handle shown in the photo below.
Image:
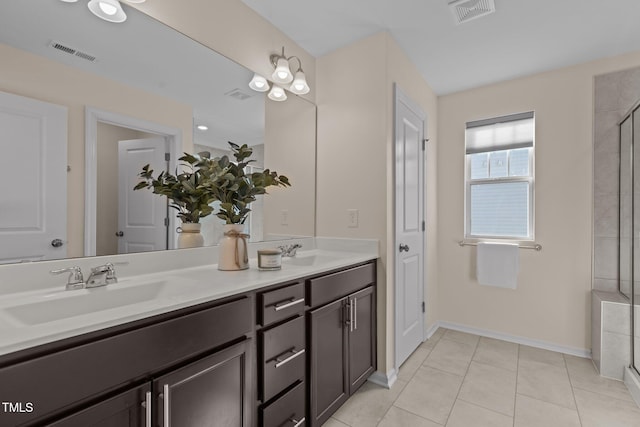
(111, 271)
(75, 280)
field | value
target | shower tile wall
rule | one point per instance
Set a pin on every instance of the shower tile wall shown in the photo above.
(614, 94)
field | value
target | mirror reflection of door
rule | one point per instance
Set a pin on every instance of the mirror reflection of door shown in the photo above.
(33, 179)
(139, 216)
(142, 215)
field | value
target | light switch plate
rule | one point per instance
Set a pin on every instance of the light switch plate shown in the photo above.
(284, 217)
(352, 218)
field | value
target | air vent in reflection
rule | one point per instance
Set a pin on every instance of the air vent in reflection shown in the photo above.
(71, 51)
(238, 94)
(467, 10)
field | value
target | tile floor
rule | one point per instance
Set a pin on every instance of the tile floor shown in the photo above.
(460, 380)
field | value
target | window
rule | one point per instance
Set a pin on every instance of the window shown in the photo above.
(499, 177)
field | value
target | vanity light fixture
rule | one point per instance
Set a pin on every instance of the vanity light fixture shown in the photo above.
(277, 93)
(281, 75)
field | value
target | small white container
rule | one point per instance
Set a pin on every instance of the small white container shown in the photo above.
(269, 259)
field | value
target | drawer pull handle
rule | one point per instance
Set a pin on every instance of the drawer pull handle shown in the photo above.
(296, 422)
(167, 406)
(147, 406)
(282, 362)
(291, 303)
(355, 314)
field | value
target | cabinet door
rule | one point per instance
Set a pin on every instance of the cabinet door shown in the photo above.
(328, 361)
(123, 410)
(213, 392)
(362, 333)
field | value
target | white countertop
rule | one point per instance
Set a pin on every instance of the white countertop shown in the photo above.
(34, 317)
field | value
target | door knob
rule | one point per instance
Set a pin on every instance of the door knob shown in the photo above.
(56, 243)
(404, 248)
(120, 234)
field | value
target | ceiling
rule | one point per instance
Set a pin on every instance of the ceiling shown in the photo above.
(522, 37)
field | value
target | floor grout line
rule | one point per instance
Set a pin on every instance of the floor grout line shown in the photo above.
(462, 383)
(573, 393)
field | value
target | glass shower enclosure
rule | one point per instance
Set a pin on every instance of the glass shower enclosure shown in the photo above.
(629, 223)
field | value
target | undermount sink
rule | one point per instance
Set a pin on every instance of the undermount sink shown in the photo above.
(309, 258)
(84, 301)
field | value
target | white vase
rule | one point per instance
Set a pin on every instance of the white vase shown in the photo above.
(189, 235)
(233, 251)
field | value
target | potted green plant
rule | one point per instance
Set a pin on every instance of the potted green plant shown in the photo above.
(189, 192)
(236, 190)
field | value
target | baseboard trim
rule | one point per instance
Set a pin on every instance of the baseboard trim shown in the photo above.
(384, 380)
(574, 351)
(432, 330)
(632, 382)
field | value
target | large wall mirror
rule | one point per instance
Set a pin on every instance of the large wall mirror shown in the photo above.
(75, 90)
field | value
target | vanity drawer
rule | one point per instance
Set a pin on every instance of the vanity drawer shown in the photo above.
(283, 357)
(281, 303)
(337, 285)
(288, 410)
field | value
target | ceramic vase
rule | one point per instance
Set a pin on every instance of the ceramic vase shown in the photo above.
(233, 252)
(189, 235)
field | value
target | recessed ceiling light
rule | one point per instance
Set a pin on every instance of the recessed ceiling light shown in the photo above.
(202, 127)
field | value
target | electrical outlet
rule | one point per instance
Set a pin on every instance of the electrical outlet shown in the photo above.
(284, 217)
(352, 218)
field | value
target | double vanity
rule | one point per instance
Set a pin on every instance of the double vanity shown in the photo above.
(194, 346)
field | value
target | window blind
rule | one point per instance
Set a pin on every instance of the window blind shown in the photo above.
(500, 133)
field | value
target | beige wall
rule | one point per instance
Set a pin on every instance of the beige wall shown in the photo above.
(552, 301)
(232, 29)
(32, 76)
(290, 149)
(355, 158)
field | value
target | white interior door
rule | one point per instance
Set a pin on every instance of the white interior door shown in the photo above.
(409, 228)
(142, 215)
(33, 179)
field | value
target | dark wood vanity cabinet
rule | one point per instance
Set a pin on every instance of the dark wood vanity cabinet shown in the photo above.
(283, 356)
(342, 339)
(212, 392)
(103, 379)
(124, 410)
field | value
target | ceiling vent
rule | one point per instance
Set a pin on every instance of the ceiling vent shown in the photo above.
(238, 94)
(467, 10)
(71, 51)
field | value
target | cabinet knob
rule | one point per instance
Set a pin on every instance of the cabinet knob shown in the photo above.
(56, 243)
(120, 233)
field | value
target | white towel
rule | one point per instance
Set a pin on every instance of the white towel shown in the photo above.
(497, 264)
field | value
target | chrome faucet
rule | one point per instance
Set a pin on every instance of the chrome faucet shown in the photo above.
(289, 250)
(75, 280)
(100, 276)
(103, 275)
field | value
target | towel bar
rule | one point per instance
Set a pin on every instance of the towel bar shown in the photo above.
(537, 247)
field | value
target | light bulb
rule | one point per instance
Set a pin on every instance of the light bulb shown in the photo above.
(282, 73)
(299, 85)
(277, 94)
(107, 8)
(259, 83)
